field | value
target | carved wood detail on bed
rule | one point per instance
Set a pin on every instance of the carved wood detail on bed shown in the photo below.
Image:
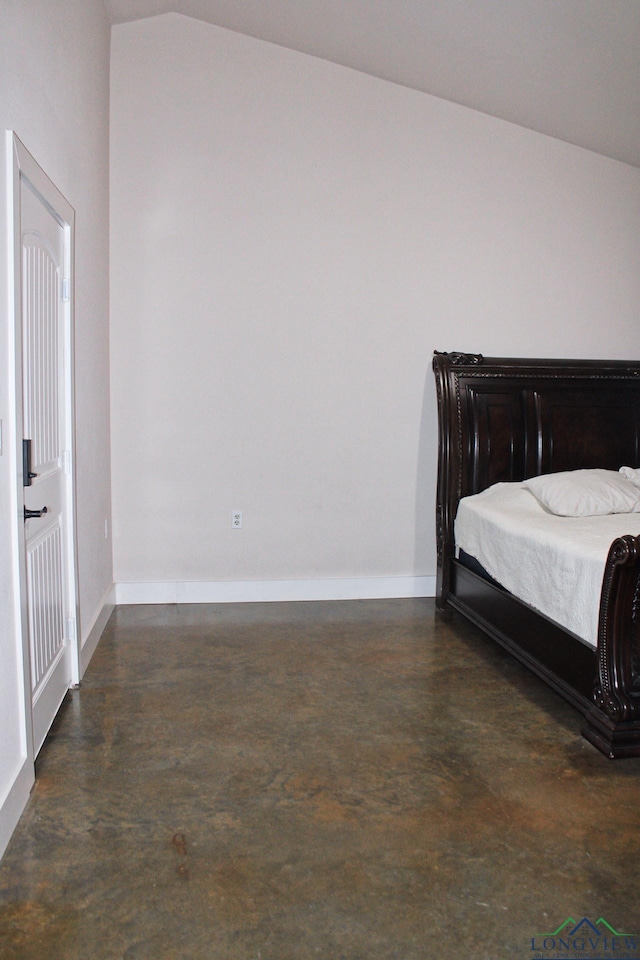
(613, 721)
(507, 419)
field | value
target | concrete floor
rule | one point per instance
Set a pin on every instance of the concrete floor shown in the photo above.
(337, 781)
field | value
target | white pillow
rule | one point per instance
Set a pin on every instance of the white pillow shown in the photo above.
(631, 474)
(585, 493)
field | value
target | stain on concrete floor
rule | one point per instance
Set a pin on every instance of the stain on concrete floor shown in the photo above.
(336, 781)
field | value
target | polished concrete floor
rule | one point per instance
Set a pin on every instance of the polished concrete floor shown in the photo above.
(337, 781)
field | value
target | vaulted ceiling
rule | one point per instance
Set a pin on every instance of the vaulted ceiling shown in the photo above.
(566, 68)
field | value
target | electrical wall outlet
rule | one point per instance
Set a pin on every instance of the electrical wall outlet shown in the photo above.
(236, 519)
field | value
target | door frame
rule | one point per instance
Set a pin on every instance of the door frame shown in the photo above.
(23, 167)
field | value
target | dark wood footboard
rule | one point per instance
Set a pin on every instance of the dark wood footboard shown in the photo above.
(505, 419)
(613, 722)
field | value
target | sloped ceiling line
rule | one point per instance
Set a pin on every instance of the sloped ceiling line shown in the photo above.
(566, 68)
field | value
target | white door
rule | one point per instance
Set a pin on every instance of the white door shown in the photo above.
(47, 486)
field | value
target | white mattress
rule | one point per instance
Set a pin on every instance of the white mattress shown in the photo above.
(555, 564)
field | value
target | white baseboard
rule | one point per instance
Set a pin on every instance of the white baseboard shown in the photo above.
(264, 591)
(90, 642)
(15, 801)
(244, 591)
(16, 798)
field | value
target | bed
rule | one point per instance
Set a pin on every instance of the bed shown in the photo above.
(504, 420)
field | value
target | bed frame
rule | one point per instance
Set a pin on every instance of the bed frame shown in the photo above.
(504, 419)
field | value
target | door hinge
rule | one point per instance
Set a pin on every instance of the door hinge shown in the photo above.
(66, 461)
(65, 289)
(71, 629)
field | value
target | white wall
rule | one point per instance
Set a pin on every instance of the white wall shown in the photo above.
(54, 90)
(290, 242)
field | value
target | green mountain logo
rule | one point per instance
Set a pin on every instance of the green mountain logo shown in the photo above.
(585, 926)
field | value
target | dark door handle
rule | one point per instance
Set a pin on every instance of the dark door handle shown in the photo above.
(27, 473)
(30, 514)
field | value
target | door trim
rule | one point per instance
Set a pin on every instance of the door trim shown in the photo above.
(23, 167)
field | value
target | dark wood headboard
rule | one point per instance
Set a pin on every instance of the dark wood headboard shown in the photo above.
(504, 419)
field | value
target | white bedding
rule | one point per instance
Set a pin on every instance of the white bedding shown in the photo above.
(555, 564)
